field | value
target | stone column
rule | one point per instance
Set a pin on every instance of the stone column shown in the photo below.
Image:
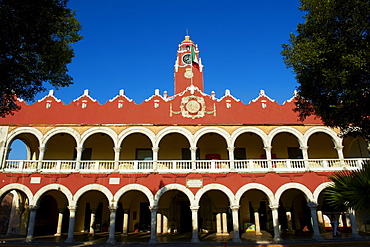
(231, 157)
(224, 224)
(13, 213)
(218, 224)
(41, 157)
(288, 214)
(79, 151)
(268, 156)
(164, 221)
(112, 224)
(159, 223)
(153, 228)
(316, 230)
(235, 215)
(117, 151)
(60, 222)
(275, 221)
(193, 152)
(125, 222)
(92, 222)
(352, 218)
(71, 226)
(320, 219)
(155, 157)
(194, 220)
(31, 223)
(305, 155)
(339, 149)
(257, 221)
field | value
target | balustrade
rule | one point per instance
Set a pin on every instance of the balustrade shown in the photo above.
(287, 165)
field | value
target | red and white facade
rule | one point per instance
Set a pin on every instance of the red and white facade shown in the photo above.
(190, 162)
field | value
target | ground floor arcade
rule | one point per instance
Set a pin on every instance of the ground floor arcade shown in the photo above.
(168, 205)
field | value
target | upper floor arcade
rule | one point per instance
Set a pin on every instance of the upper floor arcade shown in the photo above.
(182, 149)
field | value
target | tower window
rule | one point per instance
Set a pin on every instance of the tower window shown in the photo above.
(120, 103)
(84, 104)
(48, 104)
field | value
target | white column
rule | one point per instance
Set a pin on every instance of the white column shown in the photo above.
(218, 223)
(155, 157)
(112, 224)
(257, 221)
(305, 155)
(41, 157)
(224, 224)
(321, 220)
(79, 151)
(13, 213)
(235, 215)
(71, 226)
(193, 152)
(60, 222)
(316, 230)
(352, 218)
(117, 151)
(31, 223)
(194, 220)
(275, 221)
(164, 221)
(339, 149)
(231, 157)
(288, 214)
(268, 156)
(153, 228)
(159, 222)
(125, 222)
(92, 221)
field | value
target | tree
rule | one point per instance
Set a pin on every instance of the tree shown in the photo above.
(330, 56)
(35, 38)
(351, 189)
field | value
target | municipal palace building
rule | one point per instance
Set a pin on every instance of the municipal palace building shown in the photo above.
(182, 163)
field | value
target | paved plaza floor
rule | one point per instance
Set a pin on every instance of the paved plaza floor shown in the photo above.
(184, 240)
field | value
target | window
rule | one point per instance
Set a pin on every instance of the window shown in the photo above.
(144, 154)
(295, 153)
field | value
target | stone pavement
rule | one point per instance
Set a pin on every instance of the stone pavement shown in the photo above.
(184, 240)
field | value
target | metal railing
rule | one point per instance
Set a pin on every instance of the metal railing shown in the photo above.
(172, 166)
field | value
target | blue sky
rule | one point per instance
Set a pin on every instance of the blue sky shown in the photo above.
(132, 45)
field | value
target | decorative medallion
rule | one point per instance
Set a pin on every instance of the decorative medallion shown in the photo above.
(193, 107)
(188, 73)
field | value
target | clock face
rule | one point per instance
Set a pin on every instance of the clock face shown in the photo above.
(186, 58)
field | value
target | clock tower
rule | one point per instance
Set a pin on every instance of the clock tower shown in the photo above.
(188, 67)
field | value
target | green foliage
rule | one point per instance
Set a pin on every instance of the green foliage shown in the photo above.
(35, 38)
(351, 189)
(330, 56)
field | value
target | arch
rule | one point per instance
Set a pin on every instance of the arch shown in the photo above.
(179, 187)
(96, 130)
(17, 186)
(138, 187)
(285, 129)
(49, 187)
(254, 130)
(214, 186)
(136, 130)
(256, 186)
(61, 130)
(319, 189)
(334, 136)
(211, 129)
(24, 130)
(173, 129)
(301, 187)
(90, 187)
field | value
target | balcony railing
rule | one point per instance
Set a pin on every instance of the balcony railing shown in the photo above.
(173, 166)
